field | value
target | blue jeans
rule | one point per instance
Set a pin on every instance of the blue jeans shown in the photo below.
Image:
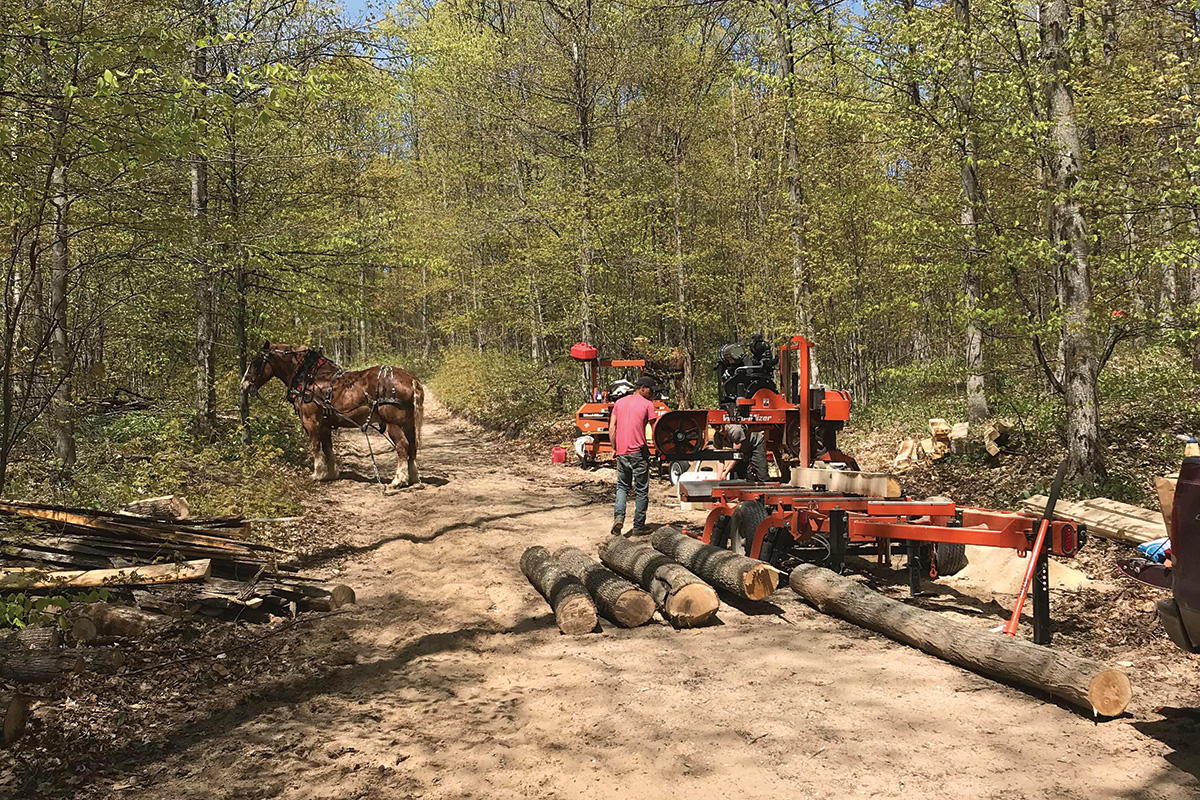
(633, 469)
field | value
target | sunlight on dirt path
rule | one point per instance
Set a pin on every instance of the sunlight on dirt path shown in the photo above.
(450, 680)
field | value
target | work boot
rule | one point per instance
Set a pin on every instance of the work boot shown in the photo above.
(616, 528)
(642, 530)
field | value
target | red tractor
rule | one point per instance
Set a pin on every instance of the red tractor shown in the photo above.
(591, 420)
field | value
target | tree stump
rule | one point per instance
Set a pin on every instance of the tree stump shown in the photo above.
(573, 608)
(615, 598)
(739, 575)
(1081, 682)
(685, 600)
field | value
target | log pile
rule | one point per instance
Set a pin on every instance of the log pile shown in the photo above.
(684, 599)
(206, 566)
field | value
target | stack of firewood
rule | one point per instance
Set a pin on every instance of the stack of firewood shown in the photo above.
(207, 566)
(675, 574)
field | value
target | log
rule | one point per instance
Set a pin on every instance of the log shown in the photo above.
(14, 714)
(1081, 682)
(170, 506)
(44, 637)
(130, 576)
(32, 666)
(907, 454)
(93, 620)
(685, 600)
(739, 575)
(573, 608)
(616, 598)
(1165, 486)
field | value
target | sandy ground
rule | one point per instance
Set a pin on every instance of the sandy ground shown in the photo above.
(451, 681)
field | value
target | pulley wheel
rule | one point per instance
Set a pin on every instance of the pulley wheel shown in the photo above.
(679, 434)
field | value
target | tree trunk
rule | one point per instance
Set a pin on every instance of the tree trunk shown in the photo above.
(1069, 243)
(1081, 682)
(783, 23)
(573, 608)
(684, 599)
(972, 205)
(616, 598)
(60, 351)
(747, 578)
(205, 276)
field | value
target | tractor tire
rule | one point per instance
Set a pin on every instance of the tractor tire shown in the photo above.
(746, 518)
(951, 558)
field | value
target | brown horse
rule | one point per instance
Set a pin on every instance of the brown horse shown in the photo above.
(326, 396)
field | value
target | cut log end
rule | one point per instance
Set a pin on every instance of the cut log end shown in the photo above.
(576, 616)
(694, 605)
(341, 595)
(760, 582)
(633, 608)
(1110, 692)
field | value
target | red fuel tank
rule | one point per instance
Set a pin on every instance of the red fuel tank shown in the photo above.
(582, 351)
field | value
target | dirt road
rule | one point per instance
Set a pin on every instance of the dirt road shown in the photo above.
(450, 681)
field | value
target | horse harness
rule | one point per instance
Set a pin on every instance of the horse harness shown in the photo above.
(300, 388)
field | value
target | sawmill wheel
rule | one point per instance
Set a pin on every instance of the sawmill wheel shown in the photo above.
(678, 434)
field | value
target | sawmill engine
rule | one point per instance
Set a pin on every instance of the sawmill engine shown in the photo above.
(742, 370)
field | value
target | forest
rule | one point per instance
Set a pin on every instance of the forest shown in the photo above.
(996, 199)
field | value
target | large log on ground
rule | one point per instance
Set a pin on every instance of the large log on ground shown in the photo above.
(743, 577)
(616, 598)
(102, 620)
(128, 576)
(1081, 682)
(685, 600)
(14, 714)
(573, 608)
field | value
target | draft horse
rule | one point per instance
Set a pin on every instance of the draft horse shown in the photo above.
(327, 396)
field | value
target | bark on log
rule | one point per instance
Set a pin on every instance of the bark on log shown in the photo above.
(104, 619)
(47, 637)
(573, 608)
(129, 576)
(685, 600)
(44, 666)
(615, 598)
(1081, 682)
(14, 714)
(743, 577)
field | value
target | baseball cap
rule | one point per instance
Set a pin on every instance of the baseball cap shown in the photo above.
(646, 381)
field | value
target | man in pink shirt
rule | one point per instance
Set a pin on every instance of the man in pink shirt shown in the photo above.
(627, 432)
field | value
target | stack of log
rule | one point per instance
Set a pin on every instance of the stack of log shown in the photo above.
(207, 566)
(674, 573)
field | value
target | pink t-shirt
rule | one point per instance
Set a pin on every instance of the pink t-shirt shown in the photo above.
(630, 415)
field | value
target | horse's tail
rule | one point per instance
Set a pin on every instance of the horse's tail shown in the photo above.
(418, 409)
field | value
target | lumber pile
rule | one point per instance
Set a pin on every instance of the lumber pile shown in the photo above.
(178, 567)
(1107, 518)
(947, 438)
(1081, 682)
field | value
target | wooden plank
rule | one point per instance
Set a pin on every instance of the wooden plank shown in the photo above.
(1136, 512)
(1106, 524)
(129, 576)
(867, 484)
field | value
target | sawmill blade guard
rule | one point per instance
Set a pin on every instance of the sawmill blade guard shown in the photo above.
(681, 434)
